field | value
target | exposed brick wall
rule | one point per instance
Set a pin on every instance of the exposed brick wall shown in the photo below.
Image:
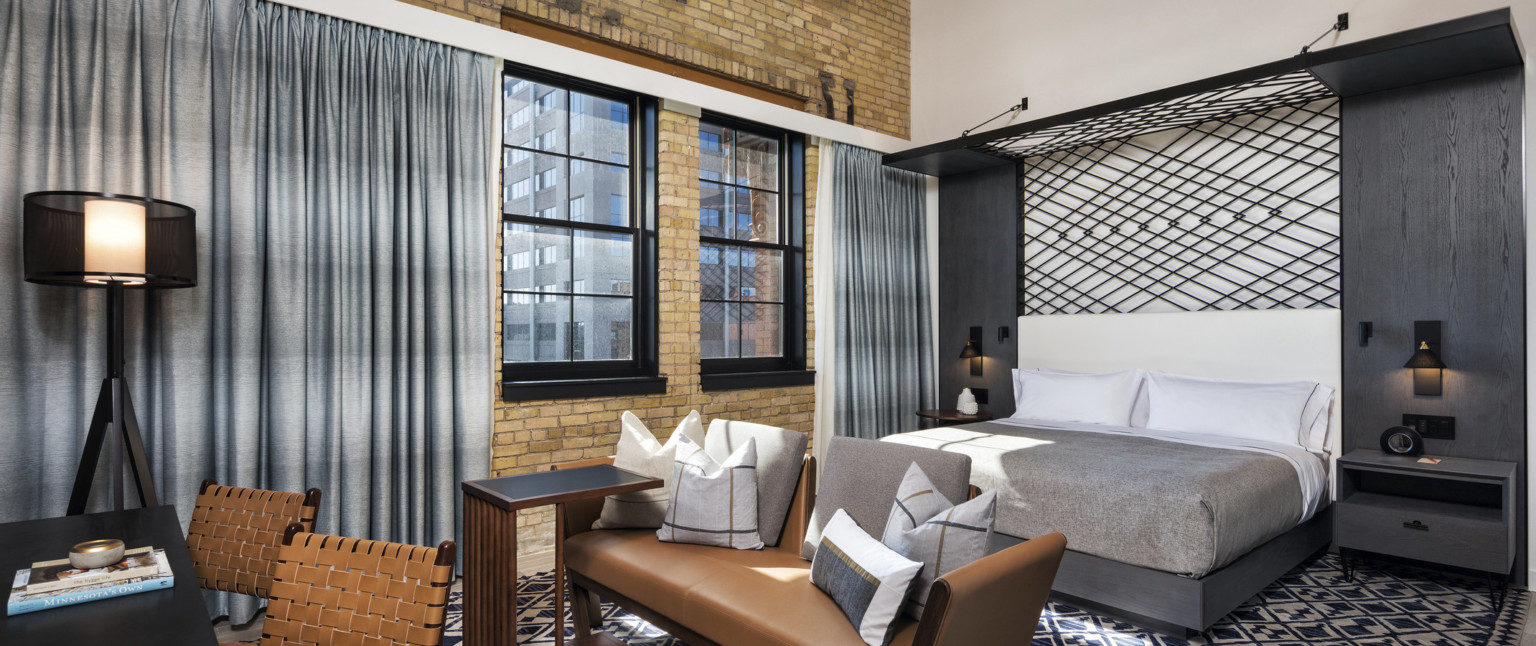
(530, 436)
(792, 45)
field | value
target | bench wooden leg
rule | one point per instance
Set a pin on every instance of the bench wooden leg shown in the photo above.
(586, 612)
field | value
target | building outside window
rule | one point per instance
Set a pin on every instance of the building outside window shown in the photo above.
(569, 309)
(751, 248)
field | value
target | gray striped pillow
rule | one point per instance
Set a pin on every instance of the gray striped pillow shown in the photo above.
(713, 503)
(865, 579)
(924, 527)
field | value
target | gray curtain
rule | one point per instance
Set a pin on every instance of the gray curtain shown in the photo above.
(340, 333)
(884, 344)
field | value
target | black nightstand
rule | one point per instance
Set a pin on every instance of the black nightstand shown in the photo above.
(1460, 512)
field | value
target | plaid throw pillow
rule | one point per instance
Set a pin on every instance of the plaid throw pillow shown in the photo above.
(924, 527)
(713, 503)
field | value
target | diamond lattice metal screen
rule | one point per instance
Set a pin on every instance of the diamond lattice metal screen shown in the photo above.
(1238, 212)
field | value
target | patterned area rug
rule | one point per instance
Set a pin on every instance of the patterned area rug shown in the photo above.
(1386, 604)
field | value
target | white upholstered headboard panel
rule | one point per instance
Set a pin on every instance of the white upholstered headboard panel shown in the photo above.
(1260, 345)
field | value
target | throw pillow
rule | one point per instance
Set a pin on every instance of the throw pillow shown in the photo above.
(713, 503)
(638, 451)
(780, 453)
(867, 580)
(924, 527)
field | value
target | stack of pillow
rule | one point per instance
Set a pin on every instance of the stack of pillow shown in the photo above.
(925, 537)
(1289, 412)
(731, 487)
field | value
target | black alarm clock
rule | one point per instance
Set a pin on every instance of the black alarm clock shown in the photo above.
(1401, 440)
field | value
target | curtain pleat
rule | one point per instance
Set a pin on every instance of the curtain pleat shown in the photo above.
(884, 366)
(339, 334)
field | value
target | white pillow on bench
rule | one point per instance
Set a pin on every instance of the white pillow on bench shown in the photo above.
(639, 452)
(713, 503)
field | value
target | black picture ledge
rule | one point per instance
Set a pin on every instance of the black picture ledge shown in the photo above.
(745, 380)
(521, 391)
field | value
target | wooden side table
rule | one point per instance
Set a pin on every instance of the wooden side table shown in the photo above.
(1460, 512)
(951, 417)
(490, 542)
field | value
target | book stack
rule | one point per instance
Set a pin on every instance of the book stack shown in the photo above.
(54, 584)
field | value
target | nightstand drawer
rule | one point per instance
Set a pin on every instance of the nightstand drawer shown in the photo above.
(1451, 534)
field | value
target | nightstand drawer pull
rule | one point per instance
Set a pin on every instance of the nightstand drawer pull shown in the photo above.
(1413, 524)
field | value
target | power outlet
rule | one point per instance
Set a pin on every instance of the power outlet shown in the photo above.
(1431, 427)
(981, 395)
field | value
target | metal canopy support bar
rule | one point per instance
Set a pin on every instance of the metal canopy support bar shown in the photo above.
(1466, 45)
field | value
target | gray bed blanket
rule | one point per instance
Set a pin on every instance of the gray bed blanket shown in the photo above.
(1164, 505)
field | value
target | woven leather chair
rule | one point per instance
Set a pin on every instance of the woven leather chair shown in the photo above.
(343, 591)
(236, 532)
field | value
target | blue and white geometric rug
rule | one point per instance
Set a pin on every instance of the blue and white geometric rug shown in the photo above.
(1386, 604)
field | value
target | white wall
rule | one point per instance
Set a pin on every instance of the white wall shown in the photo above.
(973, 58)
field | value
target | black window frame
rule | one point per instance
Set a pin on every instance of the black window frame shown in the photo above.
(788, 369)
(638, 375)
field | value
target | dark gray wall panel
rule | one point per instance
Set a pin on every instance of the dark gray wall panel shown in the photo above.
(978, 224)
(1433, 229)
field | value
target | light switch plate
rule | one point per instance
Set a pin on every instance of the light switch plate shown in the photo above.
(981, 395)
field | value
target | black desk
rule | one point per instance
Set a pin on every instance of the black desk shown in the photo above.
(159, 617)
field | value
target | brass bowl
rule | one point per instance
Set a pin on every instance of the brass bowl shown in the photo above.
(95, 554)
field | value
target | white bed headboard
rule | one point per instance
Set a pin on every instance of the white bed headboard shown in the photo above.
(1260, 345)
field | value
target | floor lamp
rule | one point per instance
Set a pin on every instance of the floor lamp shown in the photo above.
(116, 242)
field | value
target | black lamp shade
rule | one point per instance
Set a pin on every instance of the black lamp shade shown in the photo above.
(970, 351)
(83, 239)
(1424, 358)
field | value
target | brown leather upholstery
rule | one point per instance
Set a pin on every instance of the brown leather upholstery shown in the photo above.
(765, 597)
(344, 591)
(746, 597)
(993, 600)
(236, 532)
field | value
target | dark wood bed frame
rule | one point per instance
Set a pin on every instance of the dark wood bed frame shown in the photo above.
(1179, 605)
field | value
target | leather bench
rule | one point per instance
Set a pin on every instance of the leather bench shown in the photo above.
(710, 595)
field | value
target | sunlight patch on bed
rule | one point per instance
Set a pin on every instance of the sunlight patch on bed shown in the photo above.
(986, 449)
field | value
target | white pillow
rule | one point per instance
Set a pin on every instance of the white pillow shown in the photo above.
(713, 503)
(867, 580)
(1288, 412)
(1066, 397)
(639, 452)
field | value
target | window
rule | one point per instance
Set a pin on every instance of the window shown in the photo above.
(751, 255)
(577, 293)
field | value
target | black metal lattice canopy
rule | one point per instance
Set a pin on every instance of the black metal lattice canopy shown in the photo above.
(1457, 47)
(1254, 96)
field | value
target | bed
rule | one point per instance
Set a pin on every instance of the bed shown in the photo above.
(1169, 529)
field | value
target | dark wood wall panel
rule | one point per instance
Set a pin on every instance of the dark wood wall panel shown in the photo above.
(978, 225)
(1433, 229)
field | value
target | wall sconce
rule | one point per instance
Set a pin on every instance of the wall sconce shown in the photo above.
(972, 351)
(1428, 368)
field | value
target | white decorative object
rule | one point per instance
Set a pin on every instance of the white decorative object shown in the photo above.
(967, 403)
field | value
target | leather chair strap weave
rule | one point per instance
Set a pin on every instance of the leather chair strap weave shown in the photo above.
(236, 532)
(329, 590)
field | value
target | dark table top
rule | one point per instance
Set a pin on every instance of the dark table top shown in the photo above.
(953, 415)
(551, 487)
(161, 617)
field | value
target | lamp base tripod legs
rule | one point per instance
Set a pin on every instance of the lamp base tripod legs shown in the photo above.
(114, 397)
